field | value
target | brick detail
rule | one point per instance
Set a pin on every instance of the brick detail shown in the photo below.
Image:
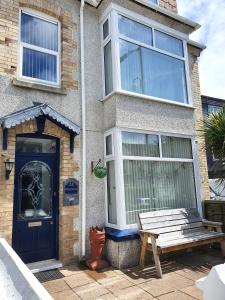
(169, 4)
(67, 234)
(9, 33)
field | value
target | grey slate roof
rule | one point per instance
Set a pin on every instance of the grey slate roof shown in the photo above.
(40, 109)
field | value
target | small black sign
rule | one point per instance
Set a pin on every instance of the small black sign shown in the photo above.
(71, 192)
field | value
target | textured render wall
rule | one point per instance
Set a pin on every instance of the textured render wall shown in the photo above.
(68, 235)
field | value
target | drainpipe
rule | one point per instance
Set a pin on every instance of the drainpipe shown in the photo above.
(83, 112)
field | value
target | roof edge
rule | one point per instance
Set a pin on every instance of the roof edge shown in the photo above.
(157, 8)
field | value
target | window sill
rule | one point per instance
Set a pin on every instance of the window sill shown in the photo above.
(40, 87)
(134, 95)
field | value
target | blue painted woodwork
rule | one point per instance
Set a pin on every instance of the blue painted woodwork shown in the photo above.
(5, 139)
(40, 121)
(37, 243)
(121, 235)
(40, 111)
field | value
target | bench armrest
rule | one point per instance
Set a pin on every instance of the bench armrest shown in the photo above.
(149, 233)
(211, 223)
(215, 225)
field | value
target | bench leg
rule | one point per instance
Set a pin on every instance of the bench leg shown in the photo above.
(222, 243)
(144, 245)
(222, 246)
(156, 258)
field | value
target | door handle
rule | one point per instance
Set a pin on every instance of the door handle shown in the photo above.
(51, 222)
(55, 194)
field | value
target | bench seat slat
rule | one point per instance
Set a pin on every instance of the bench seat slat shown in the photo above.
(188, 240)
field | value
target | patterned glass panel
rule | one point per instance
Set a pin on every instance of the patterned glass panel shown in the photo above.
(35, 190)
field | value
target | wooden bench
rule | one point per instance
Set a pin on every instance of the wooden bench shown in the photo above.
(171, 230)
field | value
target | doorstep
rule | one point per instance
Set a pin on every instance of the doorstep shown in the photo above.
(44, 265)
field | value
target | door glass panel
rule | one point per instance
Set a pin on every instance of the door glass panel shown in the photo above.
(33, 145)
(35, 190)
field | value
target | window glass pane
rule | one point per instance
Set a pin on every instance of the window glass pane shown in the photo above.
(157, 185)
(168, 43)
(138, 144)
(135, 30)
(154, 1)
(108, 68)
(175, 147)
(35, 193)
(39, 32)
(33, 145)
(111, 193)
(212, 109)
(39, 65)
(151, 73)
(109, 144)
(105, 29)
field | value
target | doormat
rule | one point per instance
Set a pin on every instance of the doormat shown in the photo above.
(49, 275)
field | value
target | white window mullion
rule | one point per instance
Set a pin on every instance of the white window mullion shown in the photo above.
(120, 196)
(115, 52)
(187, 71)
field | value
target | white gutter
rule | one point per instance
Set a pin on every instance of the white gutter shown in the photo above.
(83, 112)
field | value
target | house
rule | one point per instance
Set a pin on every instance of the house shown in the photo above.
(111, 80)
(212, 105)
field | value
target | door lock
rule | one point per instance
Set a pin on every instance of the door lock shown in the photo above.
(55, 194)
(51, 222)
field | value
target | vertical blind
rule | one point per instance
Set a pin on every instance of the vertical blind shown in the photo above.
(39, 40)
(154, 185)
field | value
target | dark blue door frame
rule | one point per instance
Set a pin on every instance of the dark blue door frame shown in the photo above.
(36, 238)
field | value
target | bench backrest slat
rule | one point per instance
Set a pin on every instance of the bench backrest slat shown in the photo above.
(172, 220)
(155, 225)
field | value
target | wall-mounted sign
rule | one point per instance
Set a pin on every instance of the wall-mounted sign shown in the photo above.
(70, 192)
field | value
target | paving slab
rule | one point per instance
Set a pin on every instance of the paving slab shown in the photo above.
(65, 295)
(78, 280)
(55, 286)
(132, 293)
(91, 291)
(175, 296)
(193, 291)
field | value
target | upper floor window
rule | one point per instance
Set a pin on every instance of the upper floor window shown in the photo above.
(144, 60)
(39, 48)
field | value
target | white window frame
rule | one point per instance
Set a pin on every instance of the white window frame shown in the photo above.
(22, 45)
(112, 12)
(118, 159)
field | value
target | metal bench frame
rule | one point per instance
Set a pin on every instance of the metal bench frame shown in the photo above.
(172, 230)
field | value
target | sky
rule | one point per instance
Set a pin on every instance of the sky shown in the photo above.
(211, 15)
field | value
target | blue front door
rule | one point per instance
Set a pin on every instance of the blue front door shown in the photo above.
(35, 222)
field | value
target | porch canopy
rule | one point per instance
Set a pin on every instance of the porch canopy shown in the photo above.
(40, 112)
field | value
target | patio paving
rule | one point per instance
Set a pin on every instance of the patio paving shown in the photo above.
(178, 282)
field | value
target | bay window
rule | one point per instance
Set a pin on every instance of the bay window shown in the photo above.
(144, 60)
(39, 48)
(148, 172)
